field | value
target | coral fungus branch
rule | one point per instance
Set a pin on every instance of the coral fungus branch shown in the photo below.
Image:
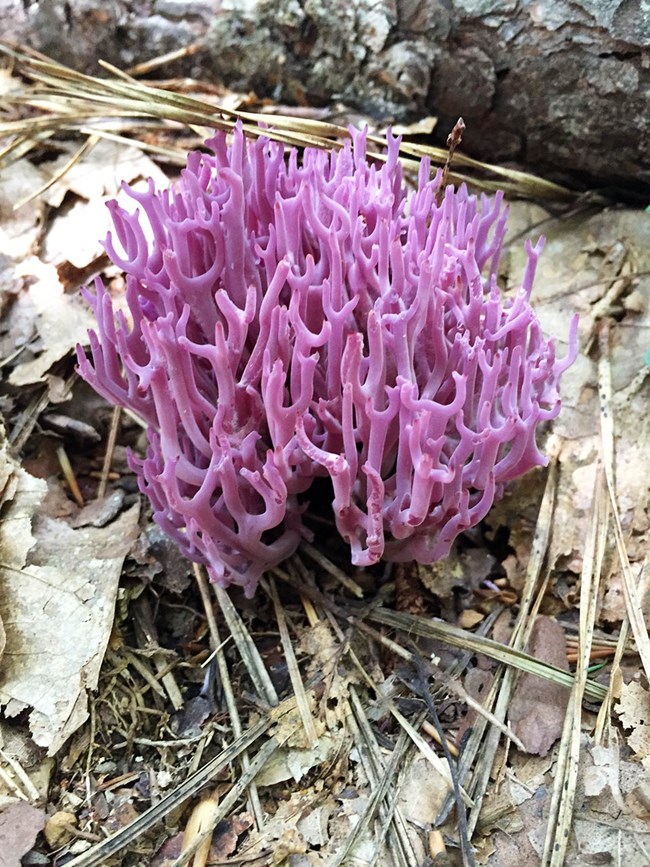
(294, 317)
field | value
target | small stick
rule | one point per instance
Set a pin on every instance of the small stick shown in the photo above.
(110, 450)
(178, 54)
(68, 473)
(422, 677)
(454, 138)
(321, 560)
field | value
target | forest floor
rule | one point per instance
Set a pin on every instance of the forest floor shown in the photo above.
(149, 719)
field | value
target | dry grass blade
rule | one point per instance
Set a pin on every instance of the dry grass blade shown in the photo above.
(568, 760)
(262, 758)
(443, 679)
(226, 683)
(68, 98)
(99, 855)
(85, 148)
(392, 824)
(633, 605)
(505, 680)
(434, 760)
(380, 777)
(456, 637)
(292, 666)
(536, 187)
(248, 651)
(322, 561)
(613, 691)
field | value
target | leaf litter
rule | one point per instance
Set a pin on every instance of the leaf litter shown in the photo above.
(100, 654)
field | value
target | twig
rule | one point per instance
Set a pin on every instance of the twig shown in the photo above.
(463, 834)
(99, 855)
(292, 665)
(224, 676)
(248, 651)
(454, 138)
(633, 605)
(110, 450)
(568, 759)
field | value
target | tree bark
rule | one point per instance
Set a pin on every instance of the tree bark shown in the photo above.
(560, 86)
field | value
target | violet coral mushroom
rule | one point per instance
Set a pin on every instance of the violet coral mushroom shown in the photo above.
(294, 317)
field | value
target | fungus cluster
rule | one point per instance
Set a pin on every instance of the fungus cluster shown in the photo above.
(294, 317)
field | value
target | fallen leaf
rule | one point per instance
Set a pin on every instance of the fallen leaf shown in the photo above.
(421, 793)
(313, 825)
(633, 709)
(58, 588)
(423, 126)
(324, 654)
(290, 843)
(100, 172)
(20, 824)
(224, 840)
(289, 763)
(20, 228)
(61, 321)
(538, 706)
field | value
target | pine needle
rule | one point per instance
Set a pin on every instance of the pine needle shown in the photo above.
(302, 701)
(568, 759)
(98, 855)
(633, 604)
(248, 651)
(226, 684)
(68, 101)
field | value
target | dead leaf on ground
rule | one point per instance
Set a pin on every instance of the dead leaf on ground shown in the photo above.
(224, 842)
(20, 824)
(58, 588)
(303, 817)
(100, 172)
(20, 228)
(324, 654)
(538, 706)
(60, 322)
(421, 792)
(292, 763)
(633, 710)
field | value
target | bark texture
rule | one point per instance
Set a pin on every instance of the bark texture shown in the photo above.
(559, 85)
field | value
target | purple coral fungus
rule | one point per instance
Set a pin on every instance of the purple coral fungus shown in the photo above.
(301, 317)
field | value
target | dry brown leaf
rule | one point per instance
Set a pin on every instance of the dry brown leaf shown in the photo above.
(58, 588)
(20, 824)
(294, 814)
(538, 706)
(20, 228)
(633, 710)
(59, 320)
(100, 172)
(324, 654)
(290, 843)
(421, 793)
(292, 763)
(595, 264)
